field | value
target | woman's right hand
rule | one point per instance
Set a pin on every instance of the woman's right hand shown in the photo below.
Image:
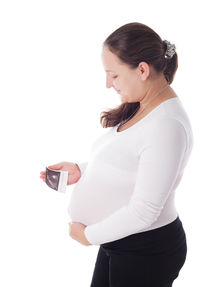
(74, 172)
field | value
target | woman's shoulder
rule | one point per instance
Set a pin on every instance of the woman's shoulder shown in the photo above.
(168, 129)
(170, 112)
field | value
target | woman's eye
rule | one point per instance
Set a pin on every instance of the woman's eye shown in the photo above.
(114, 77)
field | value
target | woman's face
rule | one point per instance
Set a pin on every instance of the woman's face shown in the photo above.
(127, 82)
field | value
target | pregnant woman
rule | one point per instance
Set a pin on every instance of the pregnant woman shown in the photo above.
(124, 197)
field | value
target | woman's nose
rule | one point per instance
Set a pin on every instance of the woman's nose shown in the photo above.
(109, 83)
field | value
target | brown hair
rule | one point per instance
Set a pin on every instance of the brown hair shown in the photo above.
(134, 43)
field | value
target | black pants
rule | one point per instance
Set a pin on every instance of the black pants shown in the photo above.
(147, 259)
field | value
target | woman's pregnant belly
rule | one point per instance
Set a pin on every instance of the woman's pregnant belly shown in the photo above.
(99, 192)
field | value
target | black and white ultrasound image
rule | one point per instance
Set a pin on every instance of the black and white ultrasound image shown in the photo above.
(52, 178)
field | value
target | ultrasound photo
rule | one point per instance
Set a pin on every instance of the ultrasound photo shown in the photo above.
(52, 178)
(56, 179)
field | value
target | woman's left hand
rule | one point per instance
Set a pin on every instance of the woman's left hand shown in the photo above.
(76, 231)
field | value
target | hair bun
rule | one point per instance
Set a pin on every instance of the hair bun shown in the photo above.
(170, 51)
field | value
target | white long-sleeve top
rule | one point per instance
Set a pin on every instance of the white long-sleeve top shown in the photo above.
(128, 183)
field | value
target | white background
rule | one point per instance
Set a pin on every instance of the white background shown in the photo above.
(53, 90)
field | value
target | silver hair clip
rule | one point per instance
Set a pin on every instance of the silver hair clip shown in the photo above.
(171, 50)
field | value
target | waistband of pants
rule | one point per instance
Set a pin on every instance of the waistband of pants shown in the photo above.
(175, 228)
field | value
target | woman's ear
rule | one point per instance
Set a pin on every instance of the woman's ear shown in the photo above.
(144, 70)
